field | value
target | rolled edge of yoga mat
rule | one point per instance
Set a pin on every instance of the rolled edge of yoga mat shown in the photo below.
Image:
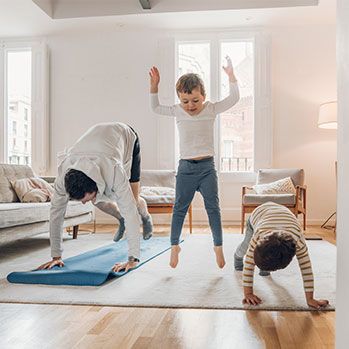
(90, 274)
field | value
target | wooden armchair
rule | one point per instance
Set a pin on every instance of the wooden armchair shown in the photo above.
(158, 190)
(295, 202)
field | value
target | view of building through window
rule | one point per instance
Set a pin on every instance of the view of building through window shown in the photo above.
(195, 58)
(236, 124)
(236, 136)
(19, 107)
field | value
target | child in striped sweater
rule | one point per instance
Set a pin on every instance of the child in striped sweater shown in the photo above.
(273, 236)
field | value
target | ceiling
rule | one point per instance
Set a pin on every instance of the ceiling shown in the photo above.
(59, 9)
(25, 18)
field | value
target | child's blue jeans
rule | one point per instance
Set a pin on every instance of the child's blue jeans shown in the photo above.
(242, 248)
(192, 176)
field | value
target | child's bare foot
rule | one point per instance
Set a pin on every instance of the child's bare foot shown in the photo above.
(175, 249)
(218, 250)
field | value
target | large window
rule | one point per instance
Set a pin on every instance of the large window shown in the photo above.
(18, 65)
(235, 127)
(24, 103)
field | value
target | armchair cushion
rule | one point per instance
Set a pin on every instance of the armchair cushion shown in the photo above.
(282, 199)
(158, 195)
(158, 186)
(282, 186)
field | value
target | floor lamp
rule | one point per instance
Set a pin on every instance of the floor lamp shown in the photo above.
(328, 120)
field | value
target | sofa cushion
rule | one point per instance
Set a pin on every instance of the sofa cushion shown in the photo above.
(282, 199)
(14, 214)
(10, 173)
(158, 195)
(33, 189)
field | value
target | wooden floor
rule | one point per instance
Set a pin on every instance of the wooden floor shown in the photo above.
(62, 326)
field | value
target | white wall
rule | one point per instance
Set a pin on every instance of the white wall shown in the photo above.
(304, 76)
(101, 75)
(342, 312)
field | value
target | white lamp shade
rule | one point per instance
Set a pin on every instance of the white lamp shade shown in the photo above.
(328, 115)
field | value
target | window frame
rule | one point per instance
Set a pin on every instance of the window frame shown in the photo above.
(263, 127)
(39, 100)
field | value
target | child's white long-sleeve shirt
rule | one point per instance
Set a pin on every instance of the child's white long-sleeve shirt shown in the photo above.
(103, 153)
(196, 133)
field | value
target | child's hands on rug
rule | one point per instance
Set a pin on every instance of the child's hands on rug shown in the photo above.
(124, 266)
(55, 261)
(250, 298)
(314, 303)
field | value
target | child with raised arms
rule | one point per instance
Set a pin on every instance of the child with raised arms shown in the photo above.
(196, 171)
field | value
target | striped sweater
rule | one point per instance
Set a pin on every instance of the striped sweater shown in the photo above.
(271, 216)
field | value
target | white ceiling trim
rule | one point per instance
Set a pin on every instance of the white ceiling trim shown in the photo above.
(59, 9)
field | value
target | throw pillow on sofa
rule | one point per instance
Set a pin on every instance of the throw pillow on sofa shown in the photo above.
(32, 189)
(282, 186)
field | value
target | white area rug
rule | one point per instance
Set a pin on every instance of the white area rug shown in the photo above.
(195, 283)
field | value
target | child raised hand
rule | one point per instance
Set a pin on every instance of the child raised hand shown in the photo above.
(229, 70)
(154, 79)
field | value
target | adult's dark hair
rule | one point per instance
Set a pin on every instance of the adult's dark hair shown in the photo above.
(189, 82)
(77, 184)
(274, 251)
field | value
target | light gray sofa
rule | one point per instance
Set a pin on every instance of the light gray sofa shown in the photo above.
(20, 220)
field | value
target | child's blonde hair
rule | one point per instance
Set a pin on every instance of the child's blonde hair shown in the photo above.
(189, 82)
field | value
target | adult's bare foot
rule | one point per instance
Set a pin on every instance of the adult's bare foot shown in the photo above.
(218, 250)
(175, 249)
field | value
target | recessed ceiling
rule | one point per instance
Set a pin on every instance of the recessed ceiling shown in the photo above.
(58, 9)
(23, 18)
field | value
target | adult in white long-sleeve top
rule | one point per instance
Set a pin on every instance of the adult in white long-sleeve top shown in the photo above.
(103, 167)
(196, 171)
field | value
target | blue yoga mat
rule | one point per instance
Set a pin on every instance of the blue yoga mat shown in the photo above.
(92, 268)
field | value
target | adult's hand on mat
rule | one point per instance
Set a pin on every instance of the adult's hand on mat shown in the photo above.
(55, 261)
(251, 299)
(124, 266)
(318, 304)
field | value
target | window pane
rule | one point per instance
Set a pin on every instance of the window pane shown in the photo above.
(19, 107)
(195, 58)
(236, 124)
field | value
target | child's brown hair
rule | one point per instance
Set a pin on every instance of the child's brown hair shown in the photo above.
(274, 251)
(189, 82)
